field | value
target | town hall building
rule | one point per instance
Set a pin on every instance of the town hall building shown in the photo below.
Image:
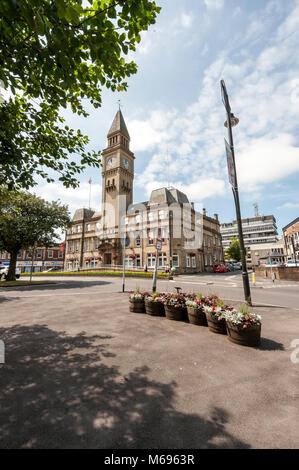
(166, 227)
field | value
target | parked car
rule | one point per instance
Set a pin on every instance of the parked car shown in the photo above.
(230, 266)
(237, 266)
(220, 268)
(273, 264)
(4, 271)
(291, 263)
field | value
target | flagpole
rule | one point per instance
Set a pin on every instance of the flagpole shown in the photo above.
(89, 191)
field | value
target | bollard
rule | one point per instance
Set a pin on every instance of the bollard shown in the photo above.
(253, 278)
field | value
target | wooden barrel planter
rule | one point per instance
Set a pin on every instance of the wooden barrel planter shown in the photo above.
(197, 316)
(215, 325)
(175, 313)
(137, 306)
(244, 336)
(155, 309)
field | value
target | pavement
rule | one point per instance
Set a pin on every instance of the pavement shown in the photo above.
(81, 371)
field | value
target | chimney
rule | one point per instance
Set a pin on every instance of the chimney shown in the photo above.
(216, 217)
(192, 206)
(204, 212)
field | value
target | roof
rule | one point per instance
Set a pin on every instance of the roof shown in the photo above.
(290, 224)
(168, 196)
(83, 213)
(118, 125)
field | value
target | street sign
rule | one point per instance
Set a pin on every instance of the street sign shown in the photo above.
(159, 244)
(230, 164)
(127, 242)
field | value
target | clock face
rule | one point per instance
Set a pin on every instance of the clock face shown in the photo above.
(111, 162)
(126, 164)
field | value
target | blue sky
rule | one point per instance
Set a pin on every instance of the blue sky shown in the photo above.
(174, 105)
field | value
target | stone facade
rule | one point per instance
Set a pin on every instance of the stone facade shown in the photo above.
(189, 241)
(290, 236)
(262, 253)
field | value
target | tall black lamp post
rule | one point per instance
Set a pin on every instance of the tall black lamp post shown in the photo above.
(231, 122)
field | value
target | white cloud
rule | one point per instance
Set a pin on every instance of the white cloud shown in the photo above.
(214, 4)
(289, 205)
(264, 94)
(74, 198)
(186, 20)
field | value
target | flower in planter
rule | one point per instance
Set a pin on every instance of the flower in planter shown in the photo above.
(219, 310)
(132, 256)
(138, 295)
(155, 297)
(243, 317)
(114, 256)
(175, 300)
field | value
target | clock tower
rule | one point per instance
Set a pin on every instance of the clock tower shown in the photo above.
(118, 168)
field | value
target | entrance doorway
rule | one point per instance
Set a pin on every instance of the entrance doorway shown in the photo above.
(107, 259)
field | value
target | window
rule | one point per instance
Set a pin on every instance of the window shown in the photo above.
(138, 219)
(86, 264)
(50, 253)
(93, 263)
(151, 260)
(162, 260)
(209, 241)
(137, 240)
(126, 220)
(193, 261)
(39, 254)
(175, 260)
(188, 261)
(78, 228)
(69, 265)
(76, 246)
(138, 260)
(55, 254)
(76, 264)
(206, 260)
(87, 245)
(150, 238)
(129, 261)
(87, 227)
(161, 215)
(60, 254)
(70, 247)
(96, 243)
(150, 216)
(19, 254)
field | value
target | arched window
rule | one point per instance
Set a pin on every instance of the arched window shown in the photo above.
(113, 182)
(108, 183)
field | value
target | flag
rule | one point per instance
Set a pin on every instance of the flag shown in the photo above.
(89, 180)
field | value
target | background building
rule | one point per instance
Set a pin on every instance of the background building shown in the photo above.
(263, 252)
(44, 259)
(257, 230)
(190, 241)
(290, 236)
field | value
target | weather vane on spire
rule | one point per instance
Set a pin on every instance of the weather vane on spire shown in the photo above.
(119, 104)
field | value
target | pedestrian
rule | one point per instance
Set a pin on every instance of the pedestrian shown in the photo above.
(145, 268)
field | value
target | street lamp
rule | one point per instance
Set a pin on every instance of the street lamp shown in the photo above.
(231, 122)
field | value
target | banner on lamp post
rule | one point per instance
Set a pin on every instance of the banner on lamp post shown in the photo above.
(230, 164)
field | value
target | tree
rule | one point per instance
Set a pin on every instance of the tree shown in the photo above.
(233, 251)
(57, 53)
(26, 219)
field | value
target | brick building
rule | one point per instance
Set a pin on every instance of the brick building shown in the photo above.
(190, 241)
(290, 236)
(44, 259)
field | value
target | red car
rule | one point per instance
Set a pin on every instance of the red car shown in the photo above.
(220, 268)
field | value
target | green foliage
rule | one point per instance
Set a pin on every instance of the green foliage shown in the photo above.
(56, 53)
(26, 219)
(99, 273)
(233, 251)
(244, 309)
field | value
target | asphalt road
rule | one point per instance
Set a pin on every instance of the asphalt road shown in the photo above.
(81, 371)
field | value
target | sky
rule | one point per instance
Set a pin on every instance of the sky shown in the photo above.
(174, 112)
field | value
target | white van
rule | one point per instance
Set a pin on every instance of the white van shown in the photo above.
(4, 271)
